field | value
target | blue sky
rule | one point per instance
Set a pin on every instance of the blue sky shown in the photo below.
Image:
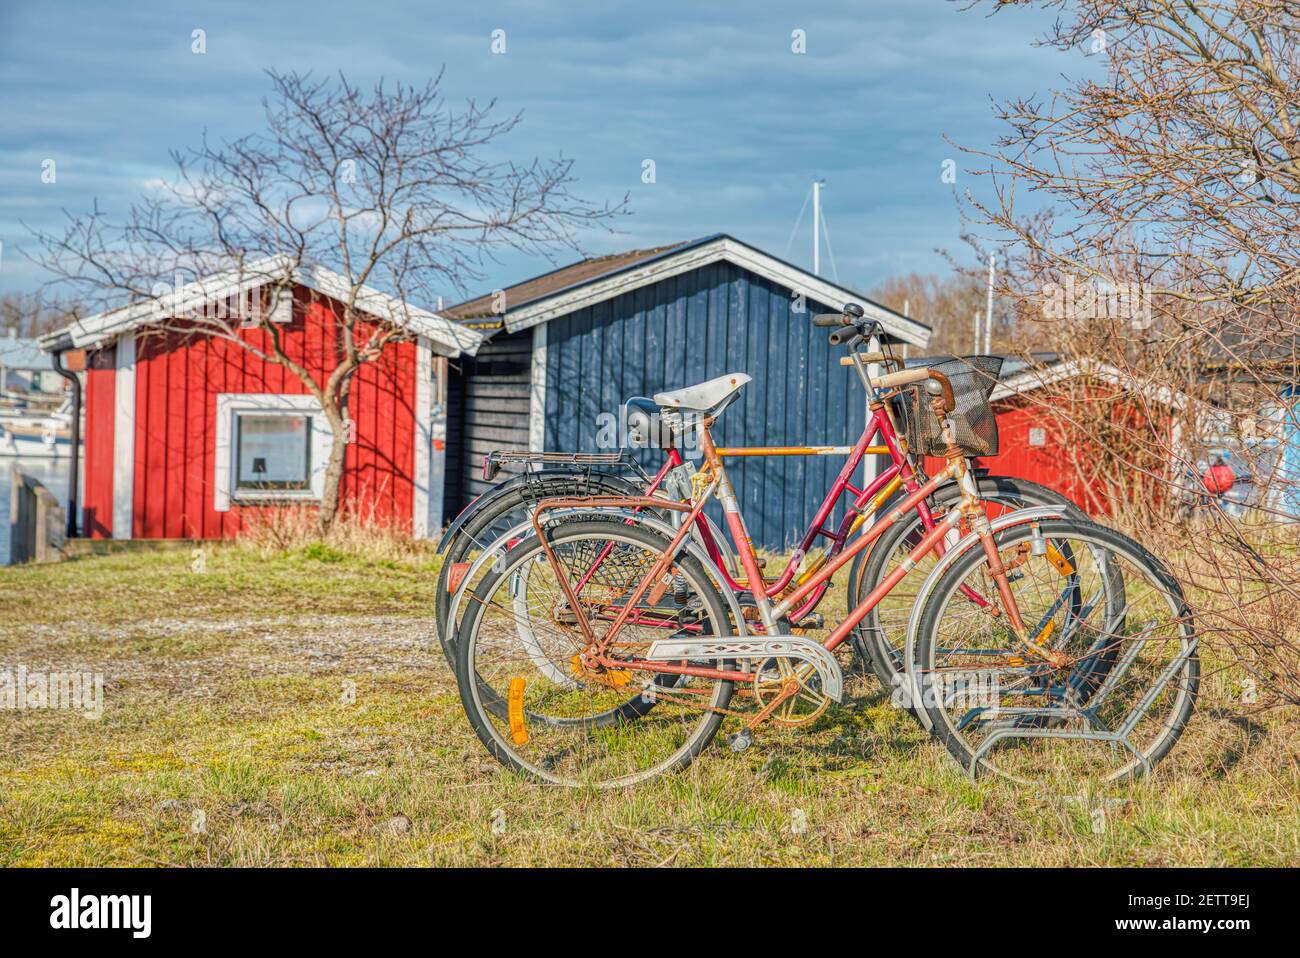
(737, 124)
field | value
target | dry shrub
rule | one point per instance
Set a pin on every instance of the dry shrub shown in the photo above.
(297, 529)
(1162, 252)
(1139, 437)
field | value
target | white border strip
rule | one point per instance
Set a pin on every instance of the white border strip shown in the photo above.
(1036, 377)
(537, 392)
(423, 448)
(451, 337)
(723, 248)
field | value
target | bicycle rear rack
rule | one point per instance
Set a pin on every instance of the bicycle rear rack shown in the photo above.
(494, 461)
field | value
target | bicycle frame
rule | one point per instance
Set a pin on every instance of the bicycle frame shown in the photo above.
(654, 583)
(900, 473)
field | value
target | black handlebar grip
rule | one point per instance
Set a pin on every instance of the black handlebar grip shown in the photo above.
(841, 336)
(829, 319)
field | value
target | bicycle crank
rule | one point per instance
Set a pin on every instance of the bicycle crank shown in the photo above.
(789, 691)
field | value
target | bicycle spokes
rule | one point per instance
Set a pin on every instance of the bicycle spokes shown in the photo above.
(1105, 684)
(583, 711)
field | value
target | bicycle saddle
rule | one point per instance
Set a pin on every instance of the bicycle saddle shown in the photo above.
(702, 397)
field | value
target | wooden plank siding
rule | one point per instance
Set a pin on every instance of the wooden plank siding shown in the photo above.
(692, 327)
(487, 409)
(1061, 461)
(178, 378)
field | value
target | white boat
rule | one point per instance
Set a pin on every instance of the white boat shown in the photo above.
(33, 435)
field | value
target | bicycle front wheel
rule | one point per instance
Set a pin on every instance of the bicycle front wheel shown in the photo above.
(1101, 687)
(534, 704)
(879, 638)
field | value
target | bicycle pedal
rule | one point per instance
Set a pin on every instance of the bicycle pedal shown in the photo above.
(741, 740)
(814, 621)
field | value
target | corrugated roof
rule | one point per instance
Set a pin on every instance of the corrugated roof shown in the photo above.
(538, 287)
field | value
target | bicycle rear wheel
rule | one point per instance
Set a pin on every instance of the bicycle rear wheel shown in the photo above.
(533, 703)
(1115, 702)
(495, 515)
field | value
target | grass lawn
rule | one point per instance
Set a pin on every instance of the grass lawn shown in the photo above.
(294, 710)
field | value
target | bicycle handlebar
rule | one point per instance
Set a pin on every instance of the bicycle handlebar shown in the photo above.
(851, 315)
(910, 377)
(852, 327)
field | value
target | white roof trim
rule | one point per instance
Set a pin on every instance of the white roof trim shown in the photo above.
(694, 257)
(448, 337)
(1037, 377)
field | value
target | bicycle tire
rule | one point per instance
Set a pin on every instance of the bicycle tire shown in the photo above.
(481, 703)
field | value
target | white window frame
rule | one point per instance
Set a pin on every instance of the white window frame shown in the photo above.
(229, 405)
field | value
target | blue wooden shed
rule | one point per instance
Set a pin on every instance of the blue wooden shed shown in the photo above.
(570, 346)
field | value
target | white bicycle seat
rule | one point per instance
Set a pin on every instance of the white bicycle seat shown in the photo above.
(702, 396)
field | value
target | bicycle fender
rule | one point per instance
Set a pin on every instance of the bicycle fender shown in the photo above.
(508, 485)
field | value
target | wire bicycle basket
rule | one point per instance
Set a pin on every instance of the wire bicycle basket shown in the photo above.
(974, 425)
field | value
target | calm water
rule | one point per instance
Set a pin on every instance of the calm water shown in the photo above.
(52, 473)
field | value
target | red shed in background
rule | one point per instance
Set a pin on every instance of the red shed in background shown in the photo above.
(189, 435)
(1043, 439)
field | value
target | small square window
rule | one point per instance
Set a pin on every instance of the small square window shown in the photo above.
(272, 452)
(1037, 436)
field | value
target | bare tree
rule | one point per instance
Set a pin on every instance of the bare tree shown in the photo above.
(1151, 215)
(31, 315)
(391, 188)
(947, 304)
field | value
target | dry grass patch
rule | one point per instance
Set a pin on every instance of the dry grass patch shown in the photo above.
(291, 708)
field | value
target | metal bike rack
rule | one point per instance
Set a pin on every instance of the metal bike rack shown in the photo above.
(1132, 649)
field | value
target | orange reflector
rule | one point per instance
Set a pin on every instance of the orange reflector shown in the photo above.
(515, 703)
(458, 572)
(1061, 562)
(1046, 633)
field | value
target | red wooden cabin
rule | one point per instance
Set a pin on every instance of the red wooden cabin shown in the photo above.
(1043, 440)
(188, 435)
